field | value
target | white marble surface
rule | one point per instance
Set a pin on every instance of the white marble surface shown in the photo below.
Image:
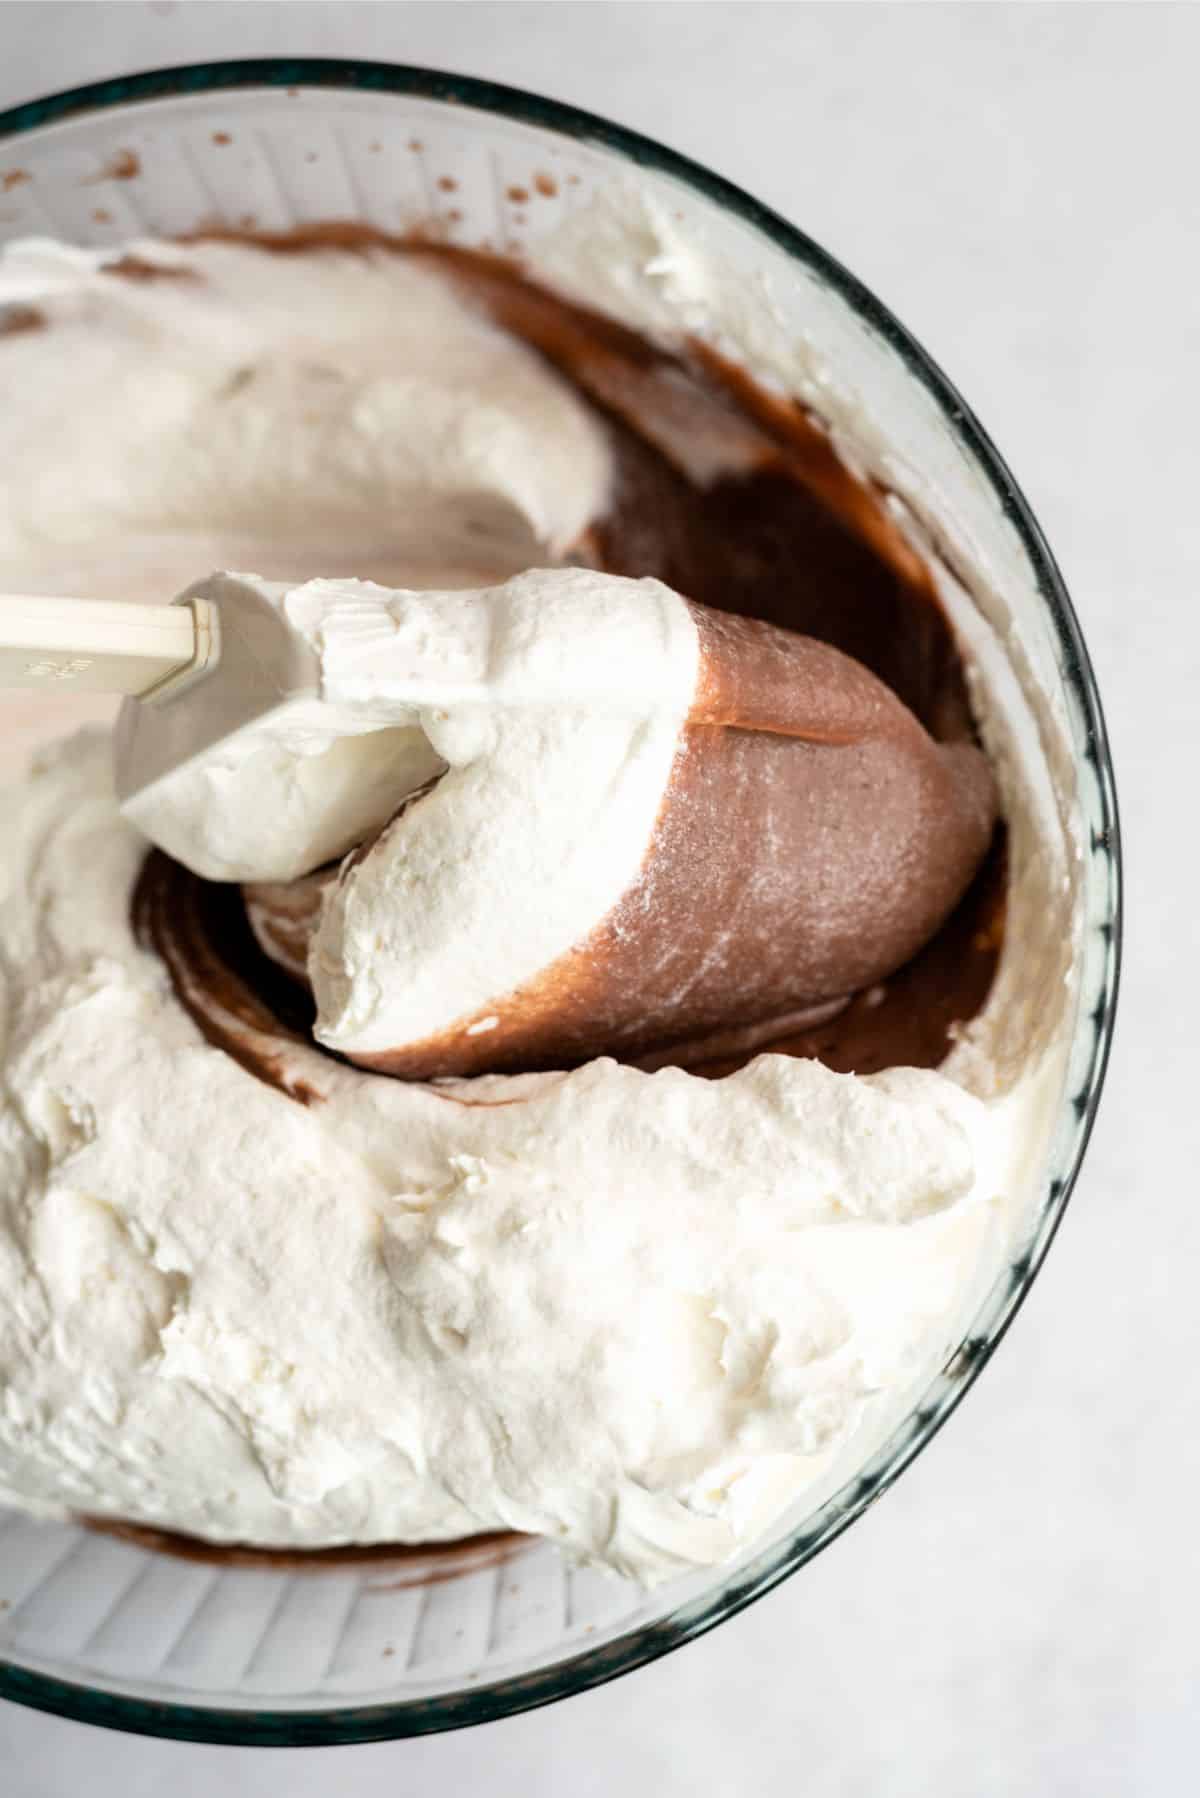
(1017, 1618)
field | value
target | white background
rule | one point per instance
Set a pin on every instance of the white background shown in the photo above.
(1020, 183)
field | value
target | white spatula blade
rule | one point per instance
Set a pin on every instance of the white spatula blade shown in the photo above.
(93, 646)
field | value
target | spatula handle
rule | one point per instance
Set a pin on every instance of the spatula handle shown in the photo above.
(99, 646)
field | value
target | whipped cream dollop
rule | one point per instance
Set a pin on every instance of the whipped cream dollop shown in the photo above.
(639, 1313)
(347, 413)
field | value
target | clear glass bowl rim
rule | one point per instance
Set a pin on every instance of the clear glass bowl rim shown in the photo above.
(410, 1717)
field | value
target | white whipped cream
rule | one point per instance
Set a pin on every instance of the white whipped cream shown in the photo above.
(395, 1315)
(360, 418)
(620, 1309)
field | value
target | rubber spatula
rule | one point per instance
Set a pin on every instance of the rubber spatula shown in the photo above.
(223, 661)
(218, 659)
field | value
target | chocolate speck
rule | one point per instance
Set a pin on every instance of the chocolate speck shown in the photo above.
(15, 319)
(374, 147)
(102, 216)
(133, 268)
(122, 165)
(447, 183)
(519, 196)
(416, 144)
(13, 178)
(455, 216)
(546, 185)
(247, 221)
(221, 137)
(311, 156)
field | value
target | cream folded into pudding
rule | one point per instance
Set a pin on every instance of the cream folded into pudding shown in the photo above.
(258, 1294)
(617, 821)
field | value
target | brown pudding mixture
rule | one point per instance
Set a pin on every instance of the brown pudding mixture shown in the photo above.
(786, 535)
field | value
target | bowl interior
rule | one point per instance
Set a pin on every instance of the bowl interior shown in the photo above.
(104, 1630)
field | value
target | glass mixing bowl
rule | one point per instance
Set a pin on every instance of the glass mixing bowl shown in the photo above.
(104, 1631)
